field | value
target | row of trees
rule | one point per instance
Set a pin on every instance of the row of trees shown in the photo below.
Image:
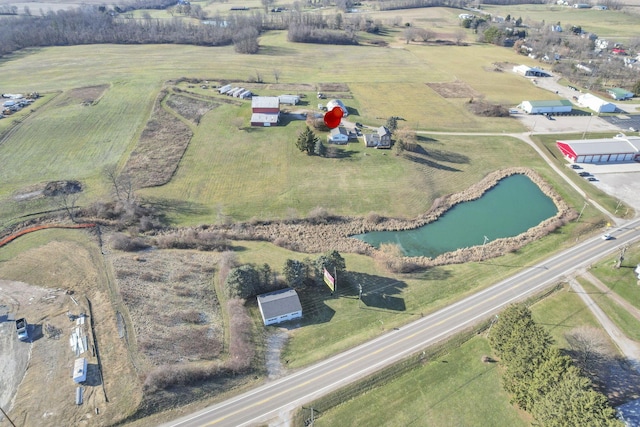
(247, 280)
(541, 379)
(88, 25)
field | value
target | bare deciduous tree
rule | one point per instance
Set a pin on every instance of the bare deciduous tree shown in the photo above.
(589, 346)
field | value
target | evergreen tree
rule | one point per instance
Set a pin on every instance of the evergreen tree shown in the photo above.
(295, 272)
(243, 281)
(307, 140)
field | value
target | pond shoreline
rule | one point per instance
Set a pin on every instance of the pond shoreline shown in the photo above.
(317, 235)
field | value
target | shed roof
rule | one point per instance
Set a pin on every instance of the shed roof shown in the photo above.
(551, 103)
(340, 130)
(264, 117)
(265, 102)
(618, 91)
(279, 303)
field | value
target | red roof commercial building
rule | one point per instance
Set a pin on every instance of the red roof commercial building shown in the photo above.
(620, 148)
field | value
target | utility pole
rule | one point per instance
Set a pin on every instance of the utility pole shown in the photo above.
(581, 210)
(312, 420)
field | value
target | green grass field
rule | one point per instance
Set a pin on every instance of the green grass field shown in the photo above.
(623, 281)
(610, 24)
(454, 390)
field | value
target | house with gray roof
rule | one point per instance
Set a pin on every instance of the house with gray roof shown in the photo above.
(279, 306)
(381, 138)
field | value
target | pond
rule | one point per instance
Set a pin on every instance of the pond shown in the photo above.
(513, 206)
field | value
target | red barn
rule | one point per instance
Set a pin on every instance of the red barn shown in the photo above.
(265, 110)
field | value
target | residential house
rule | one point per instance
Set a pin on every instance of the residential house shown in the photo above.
(381, 138)
(338, 135)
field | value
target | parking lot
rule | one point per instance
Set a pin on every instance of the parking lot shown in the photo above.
(627, 124)
(620, 180)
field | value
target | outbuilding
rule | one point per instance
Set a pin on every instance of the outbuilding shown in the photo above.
(224, 89)
(289, 99)
(527, 71)
(279, 306)
(80, 370)
(265, 111)
(620, 148)
(619, 94)
(596, 104)
(547, 107)
(337, 103)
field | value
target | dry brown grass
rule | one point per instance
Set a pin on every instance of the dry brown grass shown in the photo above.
(172, 304)
(457, 89)
(160, 148)
(190, 108)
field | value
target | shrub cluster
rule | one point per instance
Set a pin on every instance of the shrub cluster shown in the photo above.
(193, 239)
(122, 242)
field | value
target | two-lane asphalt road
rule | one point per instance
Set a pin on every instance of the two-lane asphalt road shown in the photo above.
(279, 397)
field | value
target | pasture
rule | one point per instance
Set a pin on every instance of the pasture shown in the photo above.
(67, 140)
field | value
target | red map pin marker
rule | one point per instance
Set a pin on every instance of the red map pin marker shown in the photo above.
(333, 117)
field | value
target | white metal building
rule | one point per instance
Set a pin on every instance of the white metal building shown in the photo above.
(527, 71)
(596, 104)
(80, 370)
(547, 107)
(618, 149)
(337, 103)
(279, 306)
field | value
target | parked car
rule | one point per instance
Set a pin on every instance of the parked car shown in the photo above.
(22, 329)
(572, 87)
(359, 124)
(592, 178)
(584, 174)
(574, 166)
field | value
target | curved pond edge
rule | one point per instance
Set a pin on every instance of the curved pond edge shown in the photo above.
(333, 233)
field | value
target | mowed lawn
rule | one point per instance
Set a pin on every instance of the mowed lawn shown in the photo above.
(457, 389)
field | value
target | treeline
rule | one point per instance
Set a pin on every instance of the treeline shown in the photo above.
(415, 4)
(248, 280)
(542, 380)
(94, 25)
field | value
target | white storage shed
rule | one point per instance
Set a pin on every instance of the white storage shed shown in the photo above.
(279, 306)
(80, 370)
